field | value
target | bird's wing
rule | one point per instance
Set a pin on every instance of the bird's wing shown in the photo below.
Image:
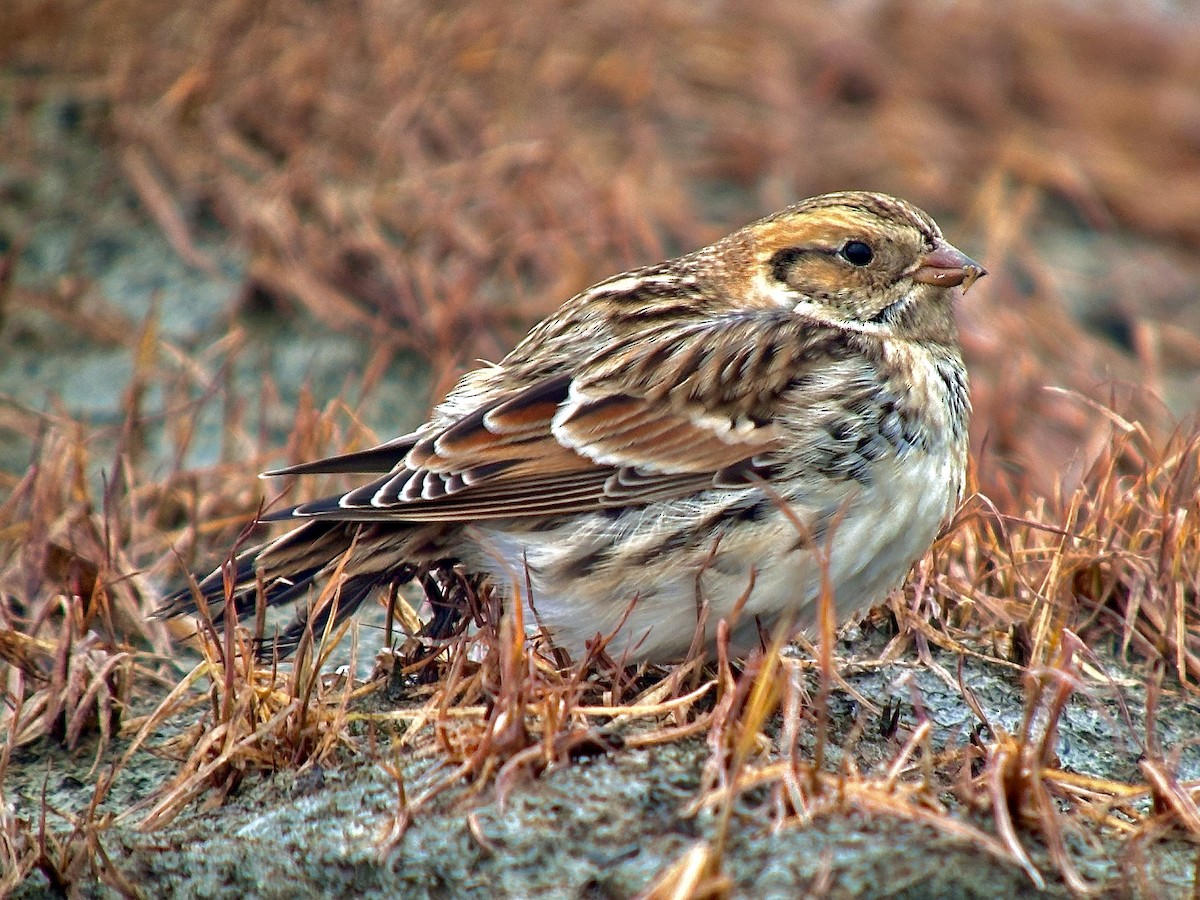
(638, 422)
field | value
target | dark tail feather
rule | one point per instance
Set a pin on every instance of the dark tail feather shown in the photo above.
(344, 603)
(212, 586)
(298, 558)
(184, 601)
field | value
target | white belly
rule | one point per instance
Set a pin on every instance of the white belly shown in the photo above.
(878, 532)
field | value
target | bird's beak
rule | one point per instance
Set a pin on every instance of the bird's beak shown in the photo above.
(946, 266)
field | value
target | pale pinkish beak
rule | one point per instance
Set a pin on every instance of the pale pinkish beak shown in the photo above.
(946, 266)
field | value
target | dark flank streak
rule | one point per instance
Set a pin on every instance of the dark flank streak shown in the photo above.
(755, 512)
(585, 564)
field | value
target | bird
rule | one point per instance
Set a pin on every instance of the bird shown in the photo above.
(732, 434)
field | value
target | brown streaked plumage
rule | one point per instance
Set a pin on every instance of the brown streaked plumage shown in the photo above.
(632, 457)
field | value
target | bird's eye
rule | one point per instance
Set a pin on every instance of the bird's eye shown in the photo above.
(857, 253)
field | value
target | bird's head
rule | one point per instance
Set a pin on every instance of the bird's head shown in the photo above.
(860, 260)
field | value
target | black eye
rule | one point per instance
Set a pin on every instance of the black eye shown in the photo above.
(857, 253)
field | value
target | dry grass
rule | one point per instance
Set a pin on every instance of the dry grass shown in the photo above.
(419, 175)
(65, 848)
(412, 175)
(1118, 561)
(256, 719)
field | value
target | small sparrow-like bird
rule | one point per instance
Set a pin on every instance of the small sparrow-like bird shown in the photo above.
(782, 411)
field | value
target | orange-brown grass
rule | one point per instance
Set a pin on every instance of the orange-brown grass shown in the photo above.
(439, 179)
(1118, 556)
(1114, 560)
(1118, 561)
(68, 859)
(74, 634)
(76, 647)
(81, 659)
(502, 711)
(255, 717)
(71, 858)
(421, 174)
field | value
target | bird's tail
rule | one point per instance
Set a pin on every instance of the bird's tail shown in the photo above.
(363, 557)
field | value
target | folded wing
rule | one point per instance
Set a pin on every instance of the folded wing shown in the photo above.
(629, 426)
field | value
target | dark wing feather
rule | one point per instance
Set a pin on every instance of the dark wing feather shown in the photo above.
(630, 425)
(383, 458)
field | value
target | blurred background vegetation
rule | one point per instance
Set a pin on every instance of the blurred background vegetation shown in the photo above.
(434, 177)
